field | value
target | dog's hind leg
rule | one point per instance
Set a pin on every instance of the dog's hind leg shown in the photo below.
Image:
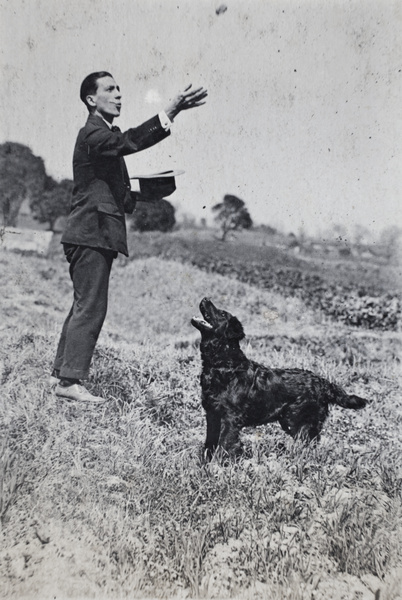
(304, 421)
(308, 434)
(213, 433)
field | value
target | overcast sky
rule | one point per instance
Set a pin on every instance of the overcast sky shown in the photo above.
(303, 119)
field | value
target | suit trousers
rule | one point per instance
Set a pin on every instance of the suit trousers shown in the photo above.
(90, 272)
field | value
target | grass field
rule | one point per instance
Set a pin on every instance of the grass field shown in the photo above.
(114, 502)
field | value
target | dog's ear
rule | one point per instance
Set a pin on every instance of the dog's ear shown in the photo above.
(235, 329)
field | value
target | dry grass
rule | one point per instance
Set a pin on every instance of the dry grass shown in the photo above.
(115, 503)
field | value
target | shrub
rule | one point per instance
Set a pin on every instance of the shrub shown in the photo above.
(154, 216)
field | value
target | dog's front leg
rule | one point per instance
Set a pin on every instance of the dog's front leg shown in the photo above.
(213, 433)
(230, 438)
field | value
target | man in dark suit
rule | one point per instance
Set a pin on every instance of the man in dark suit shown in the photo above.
(96, 228)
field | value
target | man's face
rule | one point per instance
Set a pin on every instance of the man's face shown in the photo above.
(107, 99)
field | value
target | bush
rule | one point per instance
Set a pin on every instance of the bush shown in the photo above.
(154, 216)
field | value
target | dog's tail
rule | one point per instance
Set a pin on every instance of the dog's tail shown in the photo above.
(345, 400)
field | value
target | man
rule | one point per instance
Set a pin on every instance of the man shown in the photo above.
(96, 228)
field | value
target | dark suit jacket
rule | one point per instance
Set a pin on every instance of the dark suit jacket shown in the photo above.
(101, 193)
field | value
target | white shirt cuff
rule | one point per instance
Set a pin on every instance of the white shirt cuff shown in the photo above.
(166, 123)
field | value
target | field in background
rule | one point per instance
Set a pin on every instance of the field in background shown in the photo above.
(114, 502)
(352, 290)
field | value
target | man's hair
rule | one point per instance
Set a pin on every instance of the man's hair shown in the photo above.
(90, 85)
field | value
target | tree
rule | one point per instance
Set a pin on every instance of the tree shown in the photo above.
(390, 239)
(361, 235)
(53, 203)
(232, 215)
(154, 216)
(22, 176)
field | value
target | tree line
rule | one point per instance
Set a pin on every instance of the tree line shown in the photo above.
(23, 177)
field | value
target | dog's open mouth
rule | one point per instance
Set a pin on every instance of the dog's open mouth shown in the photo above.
(203, 323)
(198, 321)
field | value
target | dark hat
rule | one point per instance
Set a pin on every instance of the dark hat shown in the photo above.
(157, 185)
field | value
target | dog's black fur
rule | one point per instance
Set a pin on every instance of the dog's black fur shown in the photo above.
(238, 392)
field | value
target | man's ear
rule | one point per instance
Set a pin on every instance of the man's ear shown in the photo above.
(90, 101)
(235, 329)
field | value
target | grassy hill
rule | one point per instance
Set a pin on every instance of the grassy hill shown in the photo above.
(357, 292)
(114, 502)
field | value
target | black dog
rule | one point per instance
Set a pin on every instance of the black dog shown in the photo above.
(238, 392)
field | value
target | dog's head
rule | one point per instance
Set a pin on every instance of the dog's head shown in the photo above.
(217, 323)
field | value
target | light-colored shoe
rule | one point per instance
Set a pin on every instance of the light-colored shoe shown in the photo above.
(76, 392)
(53, 381)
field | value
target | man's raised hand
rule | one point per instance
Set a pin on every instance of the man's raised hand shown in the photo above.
(184, 100)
